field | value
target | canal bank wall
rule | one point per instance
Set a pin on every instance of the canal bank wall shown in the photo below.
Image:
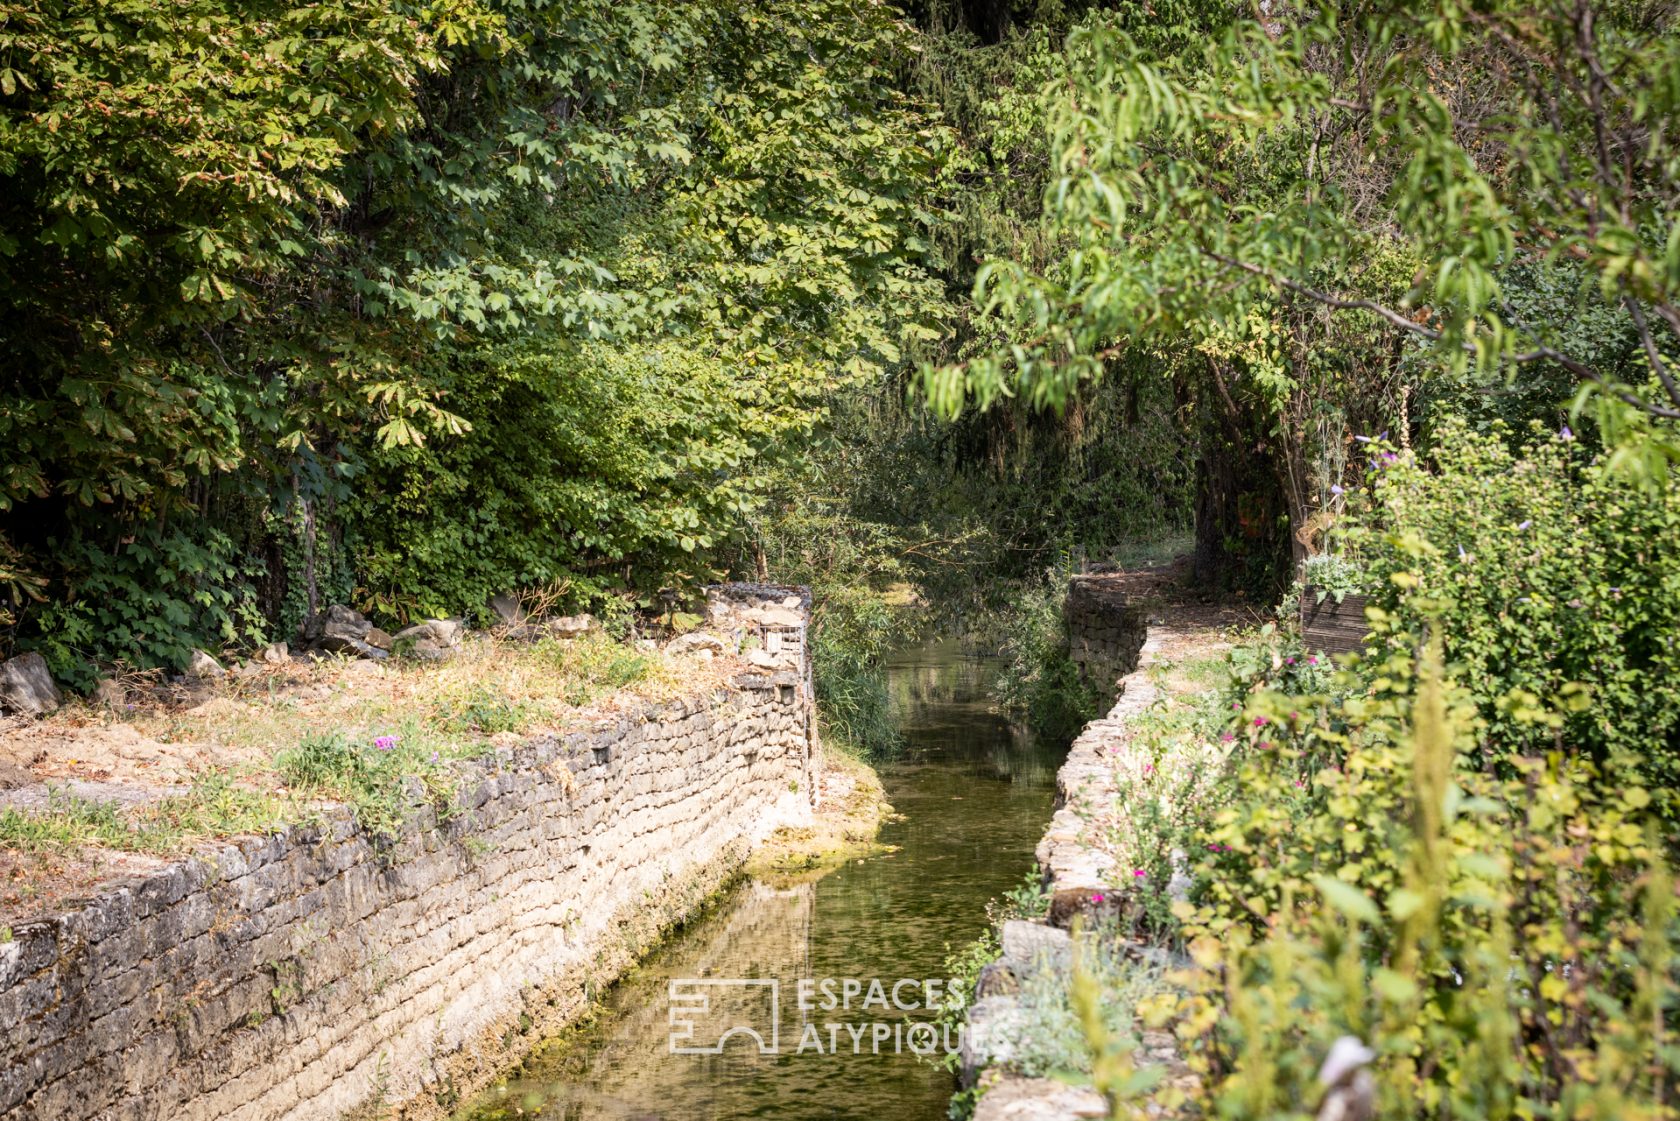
(323, 973)
(1131, 631)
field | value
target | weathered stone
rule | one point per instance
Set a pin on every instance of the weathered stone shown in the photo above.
(337, 620)
(996, 979)
(377, 638)
(202, 667)
(507, 609)
(274, 654)
(1105, 631)
(26, 686)
(571, 626)
(1039, 1099)
(354, 647)
(1030, 945)
(693, 641)
(295, 974)
(440, 632)
(424, 650)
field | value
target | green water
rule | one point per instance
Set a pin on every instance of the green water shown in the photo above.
(975, 795)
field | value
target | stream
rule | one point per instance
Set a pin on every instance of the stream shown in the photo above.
(974, 794)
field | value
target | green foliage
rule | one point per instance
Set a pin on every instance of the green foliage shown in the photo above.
(495, 295)
(1503, 944)
(1332, 576)
(488, 713)
(1245, 208)
(381, 779)
(154, 597)
(1040, 682)
(1048, 1035)
(216, 805)
(1555, 591)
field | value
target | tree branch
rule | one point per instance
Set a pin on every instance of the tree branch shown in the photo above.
(1540, 350)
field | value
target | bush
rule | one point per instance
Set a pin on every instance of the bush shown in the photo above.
(852, 630)
(149, 601)
(1555, 589)
(1504, 944)
(381, 778)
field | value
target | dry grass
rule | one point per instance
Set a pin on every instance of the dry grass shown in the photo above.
(269, 745)
(491, 689)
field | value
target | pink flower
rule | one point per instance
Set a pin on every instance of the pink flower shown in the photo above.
(1149, 768)
(1227, 736)
(1096, 897)
(1312, 659)
(1139, 873)
(1264, 745)
(1259, 721)
(385, 743)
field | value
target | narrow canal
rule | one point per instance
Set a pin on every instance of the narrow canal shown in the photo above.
(974, 795)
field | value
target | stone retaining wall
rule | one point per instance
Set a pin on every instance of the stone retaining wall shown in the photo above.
(1076, 873)
(314, 975)
(1105, 630)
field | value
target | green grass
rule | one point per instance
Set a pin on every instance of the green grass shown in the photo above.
(381, 784)
(215, 806)
(381, 778)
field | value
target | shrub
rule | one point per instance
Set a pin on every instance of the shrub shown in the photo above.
(1504, 944)
(381, 778)
(149, 602)
(1555, 589)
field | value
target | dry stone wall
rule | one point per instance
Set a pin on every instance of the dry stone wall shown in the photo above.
(1078, 875)
(314, 974)
(1105, 630)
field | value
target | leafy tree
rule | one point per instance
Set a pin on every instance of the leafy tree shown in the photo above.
(1325, 207)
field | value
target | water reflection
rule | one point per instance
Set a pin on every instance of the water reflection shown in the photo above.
(974, 793)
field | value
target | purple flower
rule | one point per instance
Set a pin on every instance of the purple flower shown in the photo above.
(1525, 524)
(1462, 555)
(1565, 434)
(385, 743)
(1337, 490)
